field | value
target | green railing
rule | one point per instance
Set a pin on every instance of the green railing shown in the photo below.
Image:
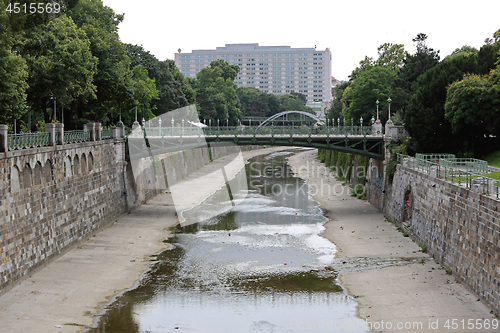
(107, 133)
(27, 140)
(243, 130)
(471, 165)
(76, 136)
(458, 175)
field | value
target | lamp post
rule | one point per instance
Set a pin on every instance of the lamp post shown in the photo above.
(143, 122)
(377, 102)
(373, 120)
(55, 117)
(361, 121)
(159, 124)
(389, 100)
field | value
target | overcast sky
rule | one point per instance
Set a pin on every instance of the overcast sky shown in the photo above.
(351, 29)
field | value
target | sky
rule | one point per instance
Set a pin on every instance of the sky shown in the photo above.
(351, 29)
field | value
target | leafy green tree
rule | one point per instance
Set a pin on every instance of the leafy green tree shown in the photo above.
(60, 65)
(391, 56)
(216, 93)
(13, 75)
(424, 118)
(170, 90)
(359, 97)
(113, 77)
(473, 105)
(186, 87)
(246, 96)
(335, 110)
(143, 92)
(292, 102)
(414, 65)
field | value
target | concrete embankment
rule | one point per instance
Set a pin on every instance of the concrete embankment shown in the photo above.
(417, 296)
(69, 293)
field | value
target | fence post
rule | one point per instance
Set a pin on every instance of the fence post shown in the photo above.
(90, 127)
(98, 131)
(3, 138)
(51, 129)
(60, 128)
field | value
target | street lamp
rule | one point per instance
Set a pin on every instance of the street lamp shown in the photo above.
(361, 121)
(377, 102)
(373, 120)
(55, 117)
(159, 124)
(389, 100)
(143, 122)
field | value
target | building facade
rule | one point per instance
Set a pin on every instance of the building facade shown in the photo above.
(275, 70)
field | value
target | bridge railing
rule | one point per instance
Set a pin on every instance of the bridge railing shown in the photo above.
(454, 173)
(245, 130)
(27, 140)
(55, 135)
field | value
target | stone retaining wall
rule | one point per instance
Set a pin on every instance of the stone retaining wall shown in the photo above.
(51, 198)
(459, 226)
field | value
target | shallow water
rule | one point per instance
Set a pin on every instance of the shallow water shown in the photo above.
(259, 267)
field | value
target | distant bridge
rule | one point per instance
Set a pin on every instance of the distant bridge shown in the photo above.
(359, 140)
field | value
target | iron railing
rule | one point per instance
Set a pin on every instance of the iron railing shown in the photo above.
(107, 133)
(453, 173)
(76, 136)
(28, 140)
(264, 131)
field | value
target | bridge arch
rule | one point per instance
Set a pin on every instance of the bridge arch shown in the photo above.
(284, 113)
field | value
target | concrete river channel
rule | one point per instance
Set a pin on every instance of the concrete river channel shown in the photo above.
(260, 266)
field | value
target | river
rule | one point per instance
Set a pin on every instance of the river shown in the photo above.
(262, 266)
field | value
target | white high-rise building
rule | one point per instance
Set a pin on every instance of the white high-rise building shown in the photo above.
(275, 70)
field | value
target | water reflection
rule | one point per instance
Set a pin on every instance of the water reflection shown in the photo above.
(262, 267)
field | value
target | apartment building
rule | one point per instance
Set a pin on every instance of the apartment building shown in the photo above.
(275, 70)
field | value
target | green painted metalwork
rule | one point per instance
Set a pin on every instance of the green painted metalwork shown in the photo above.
(351, 139)
(76, 136)
(107, 134)
(27, 140)
(453, 173)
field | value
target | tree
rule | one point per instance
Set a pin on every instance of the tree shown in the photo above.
(473, 105)
(216, 93)
(335, 110)
(391, 56)
(359, 97)
(246, 96)
(143, 92)
(60, 65)
(113, 76)
(424, 118)
(13, 75)
(414, 65)
(170, 91)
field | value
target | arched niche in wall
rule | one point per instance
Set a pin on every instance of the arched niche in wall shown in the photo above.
(83, 163)
(38, 173)
(67, 167)
(407, 205)
(47, 171)
(90, 162)
(27, 176)
(15, 185)
(76, 165)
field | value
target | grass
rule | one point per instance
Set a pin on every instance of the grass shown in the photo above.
(493, 159)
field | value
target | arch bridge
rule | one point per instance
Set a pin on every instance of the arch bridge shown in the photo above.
(359, 140)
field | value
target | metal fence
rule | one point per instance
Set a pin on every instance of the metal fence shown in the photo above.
(27, 140)
(76, 136)
(243, 130)
(107, 133)
(478, 183)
